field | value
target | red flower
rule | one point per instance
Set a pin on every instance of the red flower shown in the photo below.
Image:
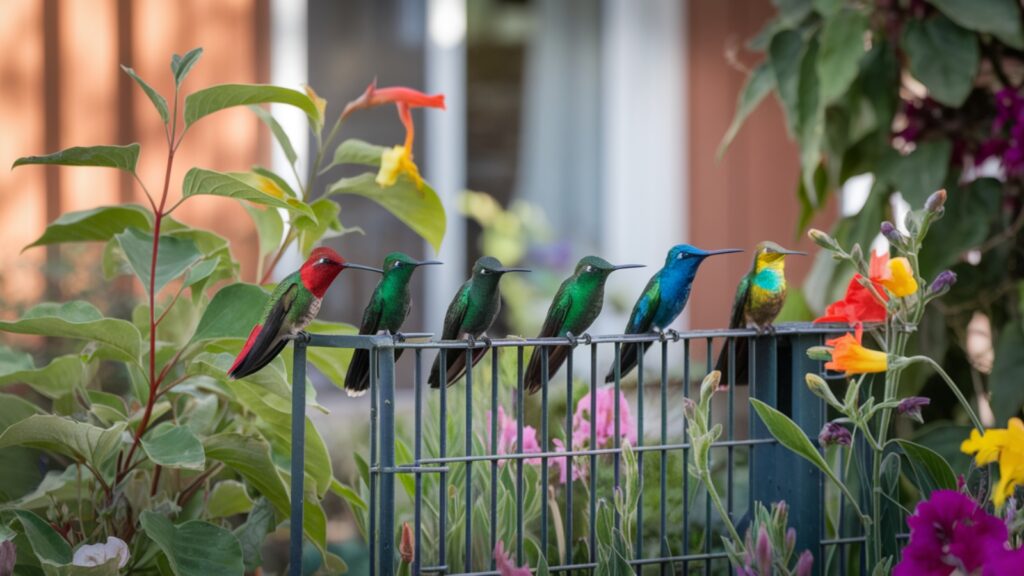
(374, 96)
(859, 304)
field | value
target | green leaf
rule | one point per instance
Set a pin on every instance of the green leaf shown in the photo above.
(78, 440)
(12, 361)
(331, 362)
(228, 498)
(240, 186)
(174, 256)
(269, 227)
(47, 544)
(182, 65)
(760, 83)
(420, 210)
(943, 56)
(214, 98)
(792, 12)
(810, 123)
(60, 376)
(194, 548)
(279, 134)
(1001, 18)
(1008, 372)
(356, 151)
(158, 101)
(785, 53)
(98, 224)
(842, 46)
(20, 465)
(174, 447)
(827, 8)
(120, 157)
(280, 182)
(919, 173)
(80, 320)
(232, 312)
(325, 226)
(931, 469)
(253, 532)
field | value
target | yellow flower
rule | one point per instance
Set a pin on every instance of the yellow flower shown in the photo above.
(900, 278)
(848, 355)
(395, 161)
(1005, 446)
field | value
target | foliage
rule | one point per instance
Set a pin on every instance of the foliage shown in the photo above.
(921, 95)
(147, 445)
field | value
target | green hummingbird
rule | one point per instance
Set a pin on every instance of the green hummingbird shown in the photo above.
(470, 314)
(388, 308)
(759, 299)
(575, 307)
(662, 301)
(293, 305)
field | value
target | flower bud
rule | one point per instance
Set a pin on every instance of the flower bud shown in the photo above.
(891, 234)
(944, 281)
(911, 407)
(709, 386)
(763, 552)
(834, 434)
(804, 564)
(821, 238)
(689, 408)
(820, 388)
(820, 353)
(405, 548)
(790, 540)
(936, 202)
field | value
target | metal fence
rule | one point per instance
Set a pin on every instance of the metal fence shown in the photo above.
(673, 541)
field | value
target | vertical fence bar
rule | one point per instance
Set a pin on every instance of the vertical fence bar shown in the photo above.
(638, 545)
(386, 360)
(374, 462)
(806, 509)
(593, 457)
(708, 367)
(519, 449)
(468, 517)
(617, 441)
(569, 464)
(418, 454)
(686, 459)
(442, 491)
(663, 537)
(494, 451)
(729, 498)
(298, 455)
(545, 351)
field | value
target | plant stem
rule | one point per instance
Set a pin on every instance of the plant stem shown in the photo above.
(713, 494)
(953, 387)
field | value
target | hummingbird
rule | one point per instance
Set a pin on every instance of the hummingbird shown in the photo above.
(575, 307)
(759, 299)
(662, 300)
(388, 308)
(293, 305)
(470, 314)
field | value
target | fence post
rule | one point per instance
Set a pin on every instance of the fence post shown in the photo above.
(298, 454)
(386, 381)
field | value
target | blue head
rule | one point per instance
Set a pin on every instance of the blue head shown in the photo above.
(683, 260)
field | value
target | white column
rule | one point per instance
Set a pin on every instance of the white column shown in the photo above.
(445, 151)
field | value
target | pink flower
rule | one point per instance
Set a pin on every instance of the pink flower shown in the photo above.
(579, 470)
(604, 420)
(504, 563)
(508, 430)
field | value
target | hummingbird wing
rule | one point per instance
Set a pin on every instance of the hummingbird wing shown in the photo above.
(357, 379)
(451, 331)
(554, 325)
(640, 320)
(267, 339)
(737, 320)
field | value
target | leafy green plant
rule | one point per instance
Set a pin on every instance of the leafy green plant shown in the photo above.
(180, 469)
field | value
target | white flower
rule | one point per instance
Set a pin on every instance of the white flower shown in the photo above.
(100, 554)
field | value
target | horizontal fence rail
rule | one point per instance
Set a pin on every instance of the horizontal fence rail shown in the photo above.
(473, 478)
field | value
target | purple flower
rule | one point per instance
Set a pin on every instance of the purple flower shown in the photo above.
(942, 282)
(763, 551)
(1005, 562)
(891, 233)
(804, 564)
(911, 407)
(833, 433)
(948, 531)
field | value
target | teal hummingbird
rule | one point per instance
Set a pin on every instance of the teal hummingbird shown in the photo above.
(470, 314)
(759, 299)
(293, 305)
(662, 301)
(575, 307)
(388, 308)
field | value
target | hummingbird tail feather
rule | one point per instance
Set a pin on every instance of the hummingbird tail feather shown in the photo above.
(357, 379)
(740, 356)
(627, 360)
(245, 350)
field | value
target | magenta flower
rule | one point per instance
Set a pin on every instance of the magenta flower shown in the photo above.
(911, 407)
(505, 565)
(833, 433)
(950, 531)
(508, 434)
(604, 420)
(1005, 562)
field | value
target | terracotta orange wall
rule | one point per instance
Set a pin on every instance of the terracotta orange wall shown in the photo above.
(749, 194)
(95, 105)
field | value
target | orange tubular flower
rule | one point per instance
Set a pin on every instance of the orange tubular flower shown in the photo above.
(860, 304)
(374, 96)
(848, 355)
(398, 159)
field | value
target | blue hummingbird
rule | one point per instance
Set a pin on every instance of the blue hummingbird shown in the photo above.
(662, 300)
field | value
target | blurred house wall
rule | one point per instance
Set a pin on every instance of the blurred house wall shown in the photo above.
(748, 195)
(60, 86)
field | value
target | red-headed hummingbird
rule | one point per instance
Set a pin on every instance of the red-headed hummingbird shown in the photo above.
(293, 305)
(388, 308)
(470, 314)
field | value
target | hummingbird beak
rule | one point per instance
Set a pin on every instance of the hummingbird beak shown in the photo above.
(429, 263)
(361, 267)
(504, 270)
(624, 266)
(722, 251)
(792, 252)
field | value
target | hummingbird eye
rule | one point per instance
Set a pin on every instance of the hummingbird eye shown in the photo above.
(323, 260)
(396, 264)
(589, 268)
(485, 271)
(681, 255)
